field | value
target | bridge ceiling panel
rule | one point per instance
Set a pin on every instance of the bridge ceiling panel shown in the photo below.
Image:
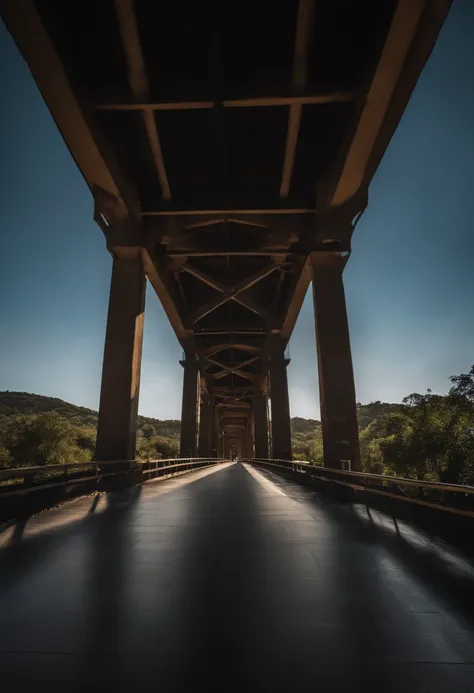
(218, 82)
(347, 40)
(230, 31)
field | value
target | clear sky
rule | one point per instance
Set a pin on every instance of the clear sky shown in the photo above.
(409, 281)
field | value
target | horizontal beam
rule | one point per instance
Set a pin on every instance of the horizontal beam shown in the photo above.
(221, 390)
(212, 350)
(226, 212)
(281, 250)
(240, 333)
(186, 226)
(258, 102)
(396, 48)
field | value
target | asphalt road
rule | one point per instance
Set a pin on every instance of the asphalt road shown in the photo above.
(231, 579)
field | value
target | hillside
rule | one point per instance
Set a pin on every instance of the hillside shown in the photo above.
(28, 417)
(28, 403)
(426, 437)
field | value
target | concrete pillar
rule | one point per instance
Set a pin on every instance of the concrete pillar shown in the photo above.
(215, 432)
(336, 376)
(206, 421)
(280, 404)
(261, 425)
(249, 437)
(118, 408)
(188, 445)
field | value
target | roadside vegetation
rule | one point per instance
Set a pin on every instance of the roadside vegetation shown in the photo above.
(429, 437)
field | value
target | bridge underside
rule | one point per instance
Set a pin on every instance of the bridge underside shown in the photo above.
(231, 579)
(229, 148)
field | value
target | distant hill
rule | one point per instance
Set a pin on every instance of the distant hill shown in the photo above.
(366, 413)
(300, 425)
(27, 403)
(155, 438)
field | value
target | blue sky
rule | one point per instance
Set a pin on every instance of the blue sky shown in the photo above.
(409, 282)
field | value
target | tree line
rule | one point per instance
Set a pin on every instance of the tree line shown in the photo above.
(428, 437)
(37, 430)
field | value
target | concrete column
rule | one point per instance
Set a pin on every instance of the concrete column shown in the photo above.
(206, 412)
(336, 376)
(261, 425)
(249, 437)
(118, 408)
(215, 432)
(188, 445)
(280, 404)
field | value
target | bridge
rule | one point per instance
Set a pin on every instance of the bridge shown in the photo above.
(229, 148)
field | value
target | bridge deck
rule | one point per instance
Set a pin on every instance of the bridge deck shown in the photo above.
(231, 579)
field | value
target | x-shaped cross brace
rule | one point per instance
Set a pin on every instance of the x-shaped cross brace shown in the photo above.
(232, 293)
(237, 369)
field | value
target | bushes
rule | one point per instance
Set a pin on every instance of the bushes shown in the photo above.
(157, 447)
(429, 437)
(41, 439)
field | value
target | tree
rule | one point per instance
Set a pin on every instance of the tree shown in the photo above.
(40, 439)
(5, 458)
(463, 385)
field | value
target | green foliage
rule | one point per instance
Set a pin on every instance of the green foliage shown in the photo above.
(40, 439)
(427, 437)
(366, 413)
(307, 440)
(157, 447)
(5, 458)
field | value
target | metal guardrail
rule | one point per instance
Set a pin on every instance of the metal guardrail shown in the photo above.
(25, 480)
(158, 468)
(30, 479)
(454, 498)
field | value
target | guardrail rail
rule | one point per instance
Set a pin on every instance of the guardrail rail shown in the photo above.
(454, 498)
(26, 480)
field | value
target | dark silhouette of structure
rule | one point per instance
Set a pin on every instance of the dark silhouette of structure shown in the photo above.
(229, 148)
